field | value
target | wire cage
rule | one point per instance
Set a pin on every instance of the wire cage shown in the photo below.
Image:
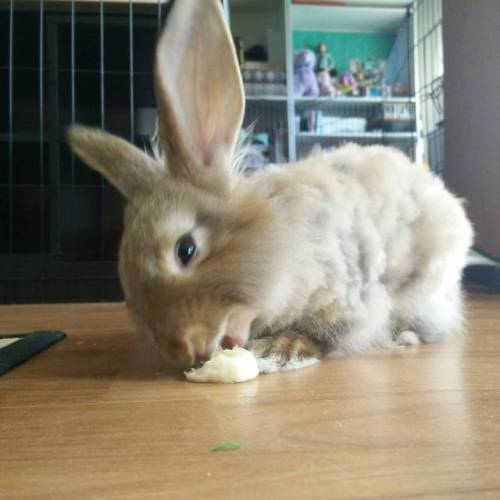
(61, 63)
(427, 51)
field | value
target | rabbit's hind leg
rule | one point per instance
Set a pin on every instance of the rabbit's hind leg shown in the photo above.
(441, 317)
(437, 318)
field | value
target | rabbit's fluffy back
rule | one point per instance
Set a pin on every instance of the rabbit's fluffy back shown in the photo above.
(371, 237)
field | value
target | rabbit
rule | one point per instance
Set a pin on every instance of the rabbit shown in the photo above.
(350, 249)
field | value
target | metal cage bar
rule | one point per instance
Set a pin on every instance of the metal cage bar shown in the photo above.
(41, 112)
(11, 128)
(428, 62)
(131, 69)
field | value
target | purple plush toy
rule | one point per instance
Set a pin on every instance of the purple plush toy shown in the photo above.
(305, 81)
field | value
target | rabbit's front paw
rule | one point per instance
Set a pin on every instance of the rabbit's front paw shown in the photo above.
(284, 352)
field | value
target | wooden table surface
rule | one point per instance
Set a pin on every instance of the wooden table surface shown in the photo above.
(98, 416)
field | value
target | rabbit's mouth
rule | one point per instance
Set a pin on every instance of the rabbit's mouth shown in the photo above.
(228, 342)
(235, 329)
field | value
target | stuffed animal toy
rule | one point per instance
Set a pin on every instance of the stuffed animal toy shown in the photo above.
(324, 67)
(348, 84)
(305, 82)
(325, 60)
(326, 87)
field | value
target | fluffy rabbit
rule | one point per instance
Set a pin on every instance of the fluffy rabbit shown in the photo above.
(347, 250)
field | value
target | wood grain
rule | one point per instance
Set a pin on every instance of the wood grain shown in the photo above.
(99, 416)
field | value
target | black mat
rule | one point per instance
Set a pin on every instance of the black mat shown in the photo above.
(17, 348)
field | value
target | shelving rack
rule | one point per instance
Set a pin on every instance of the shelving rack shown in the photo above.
(300, 142)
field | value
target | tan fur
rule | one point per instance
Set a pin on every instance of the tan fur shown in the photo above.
(283, 349)
(344, 251)
(200, 94)
(126, 167)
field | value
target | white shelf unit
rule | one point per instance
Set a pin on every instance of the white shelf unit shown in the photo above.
(358, 135)
(332, 121)
(262, 23)
(263, 98)
(355, 100)
(263, 110)
(366, 120)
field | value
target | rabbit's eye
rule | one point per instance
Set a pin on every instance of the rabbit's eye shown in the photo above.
(186, 249)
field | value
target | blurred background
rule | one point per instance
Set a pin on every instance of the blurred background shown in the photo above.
(419, 75)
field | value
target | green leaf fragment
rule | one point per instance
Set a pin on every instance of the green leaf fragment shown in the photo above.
(226, 445)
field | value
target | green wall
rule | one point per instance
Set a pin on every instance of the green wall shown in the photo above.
(346, 46)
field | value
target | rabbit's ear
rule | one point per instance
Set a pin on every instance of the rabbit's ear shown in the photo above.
(198, 87)
(125, 166)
